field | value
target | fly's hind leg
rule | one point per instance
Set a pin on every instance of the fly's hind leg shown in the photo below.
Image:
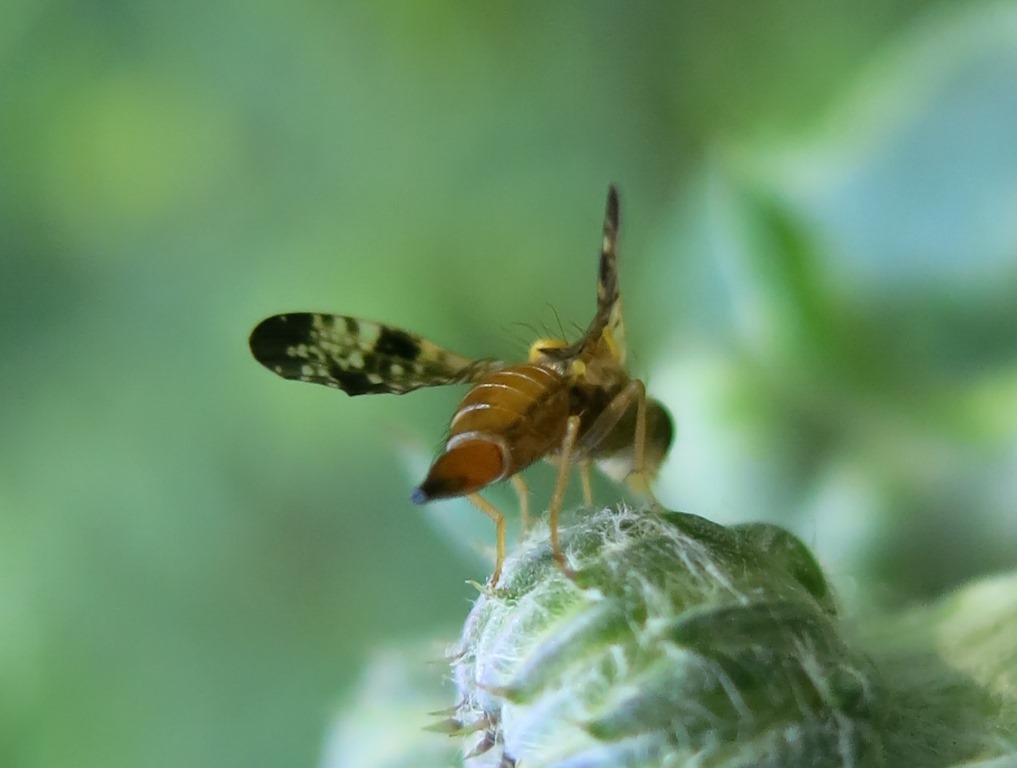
(561, 483)
(499, 521)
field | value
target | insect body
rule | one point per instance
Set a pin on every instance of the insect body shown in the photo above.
(571, 403)
(508, 420)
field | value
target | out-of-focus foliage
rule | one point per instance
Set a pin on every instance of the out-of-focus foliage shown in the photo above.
(386, 719)
(856, 374)
(195, 556)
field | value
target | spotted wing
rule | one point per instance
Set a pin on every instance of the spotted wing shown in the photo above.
(358, 356)
(606, 333)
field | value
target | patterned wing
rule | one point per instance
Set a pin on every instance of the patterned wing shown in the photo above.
(358, 356)
(607, 323)
(606, 332)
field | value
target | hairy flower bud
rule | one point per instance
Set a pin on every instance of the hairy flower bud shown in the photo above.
(678, 642)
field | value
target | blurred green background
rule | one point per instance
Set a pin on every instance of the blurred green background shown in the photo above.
(819, 264)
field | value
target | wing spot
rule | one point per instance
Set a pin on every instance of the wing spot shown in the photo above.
(365, 337)
(396, 370)
(393, 342)
(355, 360)
(375, 378)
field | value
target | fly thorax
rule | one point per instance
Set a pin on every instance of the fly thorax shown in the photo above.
(539, 352)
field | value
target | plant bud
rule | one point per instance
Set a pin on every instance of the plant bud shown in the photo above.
(675, 642)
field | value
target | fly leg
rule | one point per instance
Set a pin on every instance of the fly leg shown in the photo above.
(499, 521)
(524, 502)
(584, 478)
(568, 443)
(634, 392)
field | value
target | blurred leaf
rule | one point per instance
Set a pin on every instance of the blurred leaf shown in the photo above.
(912, 175)
(867, 275)
(382, 722)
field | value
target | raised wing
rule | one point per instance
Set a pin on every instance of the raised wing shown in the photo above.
(606, 333)
(359, 357)
(607, 324)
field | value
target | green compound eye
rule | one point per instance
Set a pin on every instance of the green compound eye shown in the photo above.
(679, 642)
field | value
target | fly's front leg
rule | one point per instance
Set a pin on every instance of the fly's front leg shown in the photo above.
(634, 392)
(638, 478)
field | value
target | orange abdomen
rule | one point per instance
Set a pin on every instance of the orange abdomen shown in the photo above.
(507, 421)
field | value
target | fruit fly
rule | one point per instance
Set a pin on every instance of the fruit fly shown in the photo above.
(573, 404)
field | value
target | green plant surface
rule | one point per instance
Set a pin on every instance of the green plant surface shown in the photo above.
(198, 560)
(680, 642)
